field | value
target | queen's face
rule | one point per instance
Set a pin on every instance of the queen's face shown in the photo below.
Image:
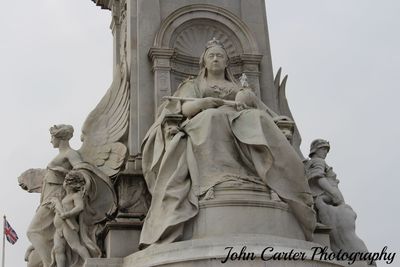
(55, 141)
(215, 59)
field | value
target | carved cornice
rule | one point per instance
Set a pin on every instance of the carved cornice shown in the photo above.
(251, 58)
(155, 52)
(161, 58)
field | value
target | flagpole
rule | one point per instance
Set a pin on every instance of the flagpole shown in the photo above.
(4, 241)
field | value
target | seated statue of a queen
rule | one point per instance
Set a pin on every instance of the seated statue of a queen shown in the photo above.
(216, 142)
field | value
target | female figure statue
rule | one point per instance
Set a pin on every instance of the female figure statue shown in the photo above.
(41, 230)
(101, 157)
(215, 143)
(99, 200)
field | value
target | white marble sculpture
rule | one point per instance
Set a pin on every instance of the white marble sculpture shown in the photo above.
(100, 159)
(226, 134)
(329, 202)
(32, 180)
(70, 222)
(100, 199)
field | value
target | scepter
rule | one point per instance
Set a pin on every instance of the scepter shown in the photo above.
(226, 102)
(243, 81)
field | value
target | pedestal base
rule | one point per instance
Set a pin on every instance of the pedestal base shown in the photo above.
(121, 238)
(211, 252)
(236, 226)
(245, 209)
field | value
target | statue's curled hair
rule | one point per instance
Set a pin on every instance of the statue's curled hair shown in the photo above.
(75, 180)
(62, 131)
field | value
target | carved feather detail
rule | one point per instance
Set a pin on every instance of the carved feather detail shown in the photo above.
(283, 109)
(105, 127)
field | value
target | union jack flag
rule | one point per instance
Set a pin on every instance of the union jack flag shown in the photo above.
(11, 235)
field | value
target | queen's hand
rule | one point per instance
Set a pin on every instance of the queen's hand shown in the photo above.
(209, 102)
(191, 108)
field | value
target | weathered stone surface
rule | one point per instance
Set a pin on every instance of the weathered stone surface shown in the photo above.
(211, 251)
(329, 202)
(114, 262)
(63, 229)
(167, 28)
(121, 238)
(229, 137)
(222, 168)
(75, 195)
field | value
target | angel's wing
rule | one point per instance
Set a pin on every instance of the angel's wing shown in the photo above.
(106, 126)
(283, 109)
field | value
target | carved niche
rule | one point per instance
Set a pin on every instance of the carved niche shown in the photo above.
(181, 39)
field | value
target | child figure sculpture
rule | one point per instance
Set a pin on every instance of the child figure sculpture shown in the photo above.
(66, 220)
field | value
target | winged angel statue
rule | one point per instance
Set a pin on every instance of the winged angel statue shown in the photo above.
(101, 158)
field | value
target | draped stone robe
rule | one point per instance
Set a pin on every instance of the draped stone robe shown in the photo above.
(216, 145)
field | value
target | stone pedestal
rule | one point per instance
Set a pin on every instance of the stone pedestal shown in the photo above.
(321, 235)
(244, 209)
(121, 238)
(233, 217)
(211, 252)
(115, 262)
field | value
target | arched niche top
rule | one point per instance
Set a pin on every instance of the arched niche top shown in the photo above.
(218, 20)
(189, 39)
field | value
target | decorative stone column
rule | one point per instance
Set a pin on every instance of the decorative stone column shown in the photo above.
(161, 58)
(116, 32)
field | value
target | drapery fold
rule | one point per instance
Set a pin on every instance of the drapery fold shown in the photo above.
(216, 145)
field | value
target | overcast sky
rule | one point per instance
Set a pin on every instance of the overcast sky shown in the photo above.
(343, 62)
